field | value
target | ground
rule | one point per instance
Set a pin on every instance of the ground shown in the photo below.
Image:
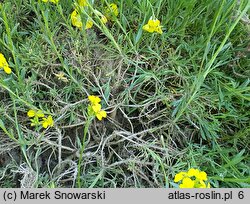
(175, 100)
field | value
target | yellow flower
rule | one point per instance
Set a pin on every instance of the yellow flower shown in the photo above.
(101, 114)
(114, 9)
(153, 25)
(187, 183)
(89, 24)
(111, 10)
(48, 122)
(193, 178)
(4, 64)
(53, 1)
(83, 2)
(104, 19)
(178, 177)
(76, 19)
(193, 172)
(60, 76)
(202, 176)
(34, 117)
(94, 99)
(7, 70)
(95, 108)
(33, 113)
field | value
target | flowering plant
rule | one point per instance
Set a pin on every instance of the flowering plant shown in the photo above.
(194, 178)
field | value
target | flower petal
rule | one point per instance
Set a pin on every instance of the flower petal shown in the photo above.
(7, 69)
(202, 176)
(178, 177)
(96, 108)
(89, 24)
(193, 172)
(31, 113)
(45, 124)
(94, 99)
(187, 183)
(103, 113)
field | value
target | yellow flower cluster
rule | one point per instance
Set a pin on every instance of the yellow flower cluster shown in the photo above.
(194, 178)
(35, 119)
(95, 107)
(76, 19)
(111, 10)
(153, 25)
(4, 64)
(53, 1)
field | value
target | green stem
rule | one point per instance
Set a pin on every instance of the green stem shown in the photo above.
(235, 180)
(88, 122)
